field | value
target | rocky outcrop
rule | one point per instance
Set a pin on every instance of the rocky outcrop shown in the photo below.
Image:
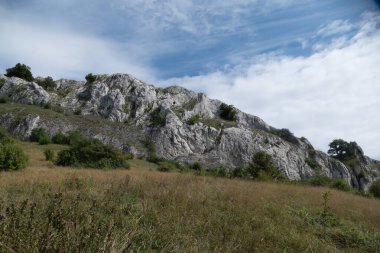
(184, 125)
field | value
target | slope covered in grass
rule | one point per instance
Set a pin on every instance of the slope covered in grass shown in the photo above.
(53, 209)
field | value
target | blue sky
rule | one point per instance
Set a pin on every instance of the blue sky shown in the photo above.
(310, 66)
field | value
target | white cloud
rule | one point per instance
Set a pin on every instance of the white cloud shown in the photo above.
(333, 93)
(335, 27)
(59, 52)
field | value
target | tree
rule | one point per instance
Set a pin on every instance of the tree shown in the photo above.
(228, 112)
(341, 149)
(21, 71)
(47, 83)
(90, 78)
(262, 167)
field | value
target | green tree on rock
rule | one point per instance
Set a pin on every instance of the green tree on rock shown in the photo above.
(21, 71)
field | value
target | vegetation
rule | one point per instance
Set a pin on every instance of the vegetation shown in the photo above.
(4, 99)
(90, 78)
(228, 112)
(285, 134)
(92, 153)
(21, 71)
(375, 189)
(263, 168)
(47, 106)
(194, 119)
(60, 138)
(312, 163)
(11, 156)
(40, 135)
(2, 82)
(137, 210)
(49, 154)
(322, 180)
(47, 83)
(157, 118)
(342, 150)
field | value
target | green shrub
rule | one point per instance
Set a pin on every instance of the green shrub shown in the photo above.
(47, 83)
(89, 152)
(312, 163)
(47, 106)
(21, 71)
(2, 82)
(197, 166)
(60, 138)
(12, 157)
(90, 78)
(5, 137)
(44, 140)
(40, 135)
(167, 165)
(340, 185)
(319, 180)
(194, 119)
(4, 99)
(262, 167)
(158, 118)
(285, 134)
(49, 154)
(228, 112)
(375, 189)
(239, 172)
(78, 111)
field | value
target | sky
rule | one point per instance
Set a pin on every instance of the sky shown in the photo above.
(310, 66)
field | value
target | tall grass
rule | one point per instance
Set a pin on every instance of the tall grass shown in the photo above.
(53, 209)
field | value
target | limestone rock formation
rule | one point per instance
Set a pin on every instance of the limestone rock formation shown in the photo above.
(185, 126)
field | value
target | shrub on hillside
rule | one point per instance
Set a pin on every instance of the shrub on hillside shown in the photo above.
(5, 137)
(88, 152)
(228, 112)
(12, 157)
(322, 180)
(4, 99)
(262, 167)
(40, 135)
(21, 71)
(157, 118)
(47, 83)
(375, 189)
(49, 155)
(285, 134)
(60, 138)
(47, 106)
(90, 78)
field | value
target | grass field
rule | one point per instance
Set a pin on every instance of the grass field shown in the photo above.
(45, 208)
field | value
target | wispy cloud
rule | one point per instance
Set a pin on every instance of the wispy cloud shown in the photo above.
(333, 93)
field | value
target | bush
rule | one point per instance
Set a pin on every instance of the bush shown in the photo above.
(44, 140)
(89, 152)
(194, 119)
(47, 83)
(340, 185)
(375, 189)
(262, 167)
(312, 163)
(322, 180)
(2, 82)
(78, 111)
(285, 134)
(90, 78)
(47, 106)
(4, 99)
(60, 138)
(40, 135)
(5, 137)
(197, 166)
(158, 118)
(228, 112)
(21, 71)
(12, 157)
(49, 155)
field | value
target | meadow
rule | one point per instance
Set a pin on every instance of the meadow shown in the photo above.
(46, 208)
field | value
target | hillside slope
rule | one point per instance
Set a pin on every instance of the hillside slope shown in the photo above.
(183, 125)
(142, 210)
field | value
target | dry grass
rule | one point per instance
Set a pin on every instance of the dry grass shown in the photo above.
(173, 212)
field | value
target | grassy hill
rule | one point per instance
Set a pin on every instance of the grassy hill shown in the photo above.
(45, 208)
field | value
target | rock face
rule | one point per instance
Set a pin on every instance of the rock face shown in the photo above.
(184, 125)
